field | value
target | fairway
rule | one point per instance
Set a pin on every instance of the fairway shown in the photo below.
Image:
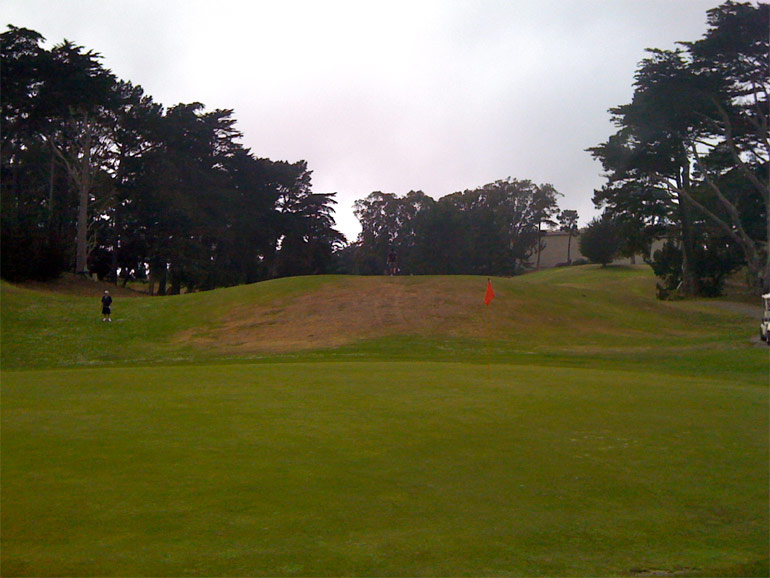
(422, 454)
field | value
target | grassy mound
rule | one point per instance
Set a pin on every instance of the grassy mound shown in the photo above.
(579, 313)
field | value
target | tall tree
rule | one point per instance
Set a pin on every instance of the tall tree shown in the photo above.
(568, 222)
(247, 248)
(179, 193)
(649, 156)
(309, 238)
(136, 133)
(76, 100)
(545, 209)
(33, 189)
(733, 57)
(696, 128)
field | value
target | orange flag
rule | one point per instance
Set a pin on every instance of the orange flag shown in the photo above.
(490, 293)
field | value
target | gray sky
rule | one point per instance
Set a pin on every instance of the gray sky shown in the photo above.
(390, 95)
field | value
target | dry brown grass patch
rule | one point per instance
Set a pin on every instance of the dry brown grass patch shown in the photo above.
(354, 308)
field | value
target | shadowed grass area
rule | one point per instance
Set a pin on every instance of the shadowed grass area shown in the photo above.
(576, 427)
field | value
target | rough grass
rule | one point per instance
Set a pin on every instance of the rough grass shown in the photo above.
(577, 427)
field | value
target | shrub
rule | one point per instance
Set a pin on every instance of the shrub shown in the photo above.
(600, 241)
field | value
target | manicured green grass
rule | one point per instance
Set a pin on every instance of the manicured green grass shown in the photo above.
(374, 468)
(589, 430)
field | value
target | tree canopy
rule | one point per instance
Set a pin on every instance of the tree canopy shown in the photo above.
(494, 229)
(691, 155)
(97, 177)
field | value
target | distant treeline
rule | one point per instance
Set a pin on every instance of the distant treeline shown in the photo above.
(99, 178)
(495, 229)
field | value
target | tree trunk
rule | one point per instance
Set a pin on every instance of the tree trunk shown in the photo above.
(162, 277)
(175, 282)
(157, 272)
(114, 261)
(84, 193)
(51, 184)
(689, 285)
(81, 238)
(764, 282)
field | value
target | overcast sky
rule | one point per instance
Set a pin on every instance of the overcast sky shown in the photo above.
(432, 95)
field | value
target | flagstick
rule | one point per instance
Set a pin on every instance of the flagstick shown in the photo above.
(488, 297)
(489, 354)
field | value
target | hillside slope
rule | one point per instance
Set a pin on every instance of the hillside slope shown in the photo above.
(562, 307)
(579, 310)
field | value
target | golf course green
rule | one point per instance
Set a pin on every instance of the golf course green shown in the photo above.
(352, 426)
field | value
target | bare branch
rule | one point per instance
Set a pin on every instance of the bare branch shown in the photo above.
(72, 170)
(762, 188)
(736, 230)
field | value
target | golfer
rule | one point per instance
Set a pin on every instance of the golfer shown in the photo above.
(392, 263)
(106, 304)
